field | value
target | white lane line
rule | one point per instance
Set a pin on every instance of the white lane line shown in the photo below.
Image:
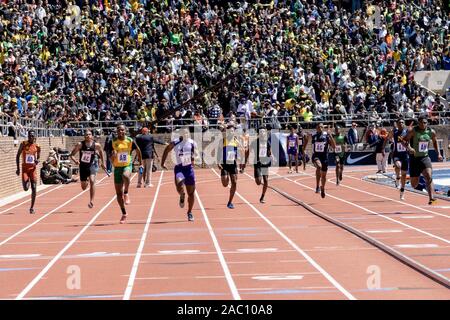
(137, 258)
(271, 278)
(420, 245)
(223, 263)
(297, 248)
(417, 217)
(23, 202)
(178, 251)
(19, 256)
(257, 250)
(384, 231)
(375, 213)
(60, 253)
(398, 201)
(45, 216)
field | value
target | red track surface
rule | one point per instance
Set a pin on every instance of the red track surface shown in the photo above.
(276, 250)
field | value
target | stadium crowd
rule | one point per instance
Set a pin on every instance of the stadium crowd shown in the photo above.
(299, 60)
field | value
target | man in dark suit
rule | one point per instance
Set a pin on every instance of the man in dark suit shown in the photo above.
(352, 135)
(145, 142)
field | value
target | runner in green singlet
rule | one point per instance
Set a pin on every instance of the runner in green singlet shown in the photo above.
(419, 161)
(339, 153)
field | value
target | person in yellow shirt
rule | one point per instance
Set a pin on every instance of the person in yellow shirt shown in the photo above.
(122, 147)
(307, 115)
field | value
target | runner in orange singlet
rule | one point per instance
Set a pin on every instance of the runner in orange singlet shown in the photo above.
(31, 153)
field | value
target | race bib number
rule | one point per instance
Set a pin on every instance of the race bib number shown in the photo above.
(292, 144)
(401, 147)
(319, 146)
(86, 157)
(231, 155)
(29, 159)
(423, 146)
(338, 149)
(122, 157)
(263, 151)
(186, 160)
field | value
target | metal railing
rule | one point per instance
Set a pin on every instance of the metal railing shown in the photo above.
(282, 122)
(279, 122)
(7, 130)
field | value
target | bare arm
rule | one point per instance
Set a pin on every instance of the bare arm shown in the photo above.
(332, 142)
(435, 145)
(18, 158)
(98, 147)
(305, 142)
(138, 153)
(38, 153)
(166, 152)
(389, 137)
(75, 150)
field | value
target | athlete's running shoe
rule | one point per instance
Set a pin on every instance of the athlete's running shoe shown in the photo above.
(337, 182)
(190, 216)
(123, 219)
(262, 200)
(402, 195)
(322, 192)
(182, 200)
(317, 190)
(32, 211)
(126, 198)
(90, 205)
(139, 185)
(432, 201)
(230, 205)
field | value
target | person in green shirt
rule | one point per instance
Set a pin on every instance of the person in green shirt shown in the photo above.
(339, 153)
(419, 138)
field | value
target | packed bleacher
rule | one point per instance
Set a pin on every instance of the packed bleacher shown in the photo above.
(63, 62)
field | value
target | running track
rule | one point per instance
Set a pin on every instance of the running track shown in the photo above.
(276, 250)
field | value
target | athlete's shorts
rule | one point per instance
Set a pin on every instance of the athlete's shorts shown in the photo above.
(323, 161)
(292, 151)
(340, 157)
(228, 169)
(186, 174)
(261, 169)
(403, 158)
(119, 171)
(29, 173)
(417, 165)
(88, 170)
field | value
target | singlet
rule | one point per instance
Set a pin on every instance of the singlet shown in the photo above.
(340, 142)
(399, 148)
(301, 141)
(184, 151)
(421, 141)
(29, 153)
(123, 148)
(230, 151)
(263, 151)
(292, 141)
(320, 142)
(87, 154)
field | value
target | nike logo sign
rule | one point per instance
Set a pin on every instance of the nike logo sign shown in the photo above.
(350, 160)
